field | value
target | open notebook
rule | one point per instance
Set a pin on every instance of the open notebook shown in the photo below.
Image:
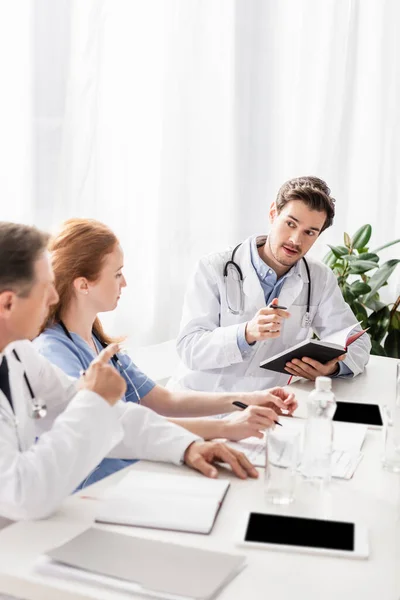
(176, 502)
(348, 439)
(321, 350)
(124, 563)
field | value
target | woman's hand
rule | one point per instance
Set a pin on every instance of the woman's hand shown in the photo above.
(282, 401)
(249, 422)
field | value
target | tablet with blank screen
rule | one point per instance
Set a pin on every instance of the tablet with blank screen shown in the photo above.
(300, 534)
(357, 412)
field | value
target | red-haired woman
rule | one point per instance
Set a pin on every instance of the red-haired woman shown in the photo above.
(88, 261)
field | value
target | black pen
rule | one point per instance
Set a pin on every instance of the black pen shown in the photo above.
(277, 306)
(243, 405)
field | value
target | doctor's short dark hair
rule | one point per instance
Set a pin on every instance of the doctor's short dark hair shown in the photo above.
(313, 192)
(20, 248)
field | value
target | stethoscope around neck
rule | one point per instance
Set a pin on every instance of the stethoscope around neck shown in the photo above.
(233, 267)
(37, 409)
(114, 359)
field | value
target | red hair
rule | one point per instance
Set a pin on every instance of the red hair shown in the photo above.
(78, 250)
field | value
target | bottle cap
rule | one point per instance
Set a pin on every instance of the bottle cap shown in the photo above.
(323, 384)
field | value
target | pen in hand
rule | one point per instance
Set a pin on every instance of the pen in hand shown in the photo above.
(277, 306)
(243, 406)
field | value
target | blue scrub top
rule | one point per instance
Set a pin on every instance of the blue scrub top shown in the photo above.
(75, 356)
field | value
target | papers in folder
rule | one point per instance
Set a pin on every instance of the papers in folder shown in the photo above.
(348, 439)
(141, 566)
(160, 501)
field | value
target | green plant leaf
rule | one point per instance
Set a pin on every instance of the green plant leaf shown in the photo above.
(362, 250)
(381, 276)
(359, 288)
(338, 251)
(392, 343)
(379, 315)
(361, 266)
(370, 256)
(378, 322)
(361, 237)
(329, 259)
(386, 246)
(349, 257)
(347, 295)
(359, 311)
(377, 349)
(347, 240)
(395, 320)
(374, 303)
(338, 272)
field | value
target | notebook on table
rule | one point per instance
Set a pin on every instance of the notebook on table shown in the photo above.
(142, 566)
(160, 501)
(321, 350)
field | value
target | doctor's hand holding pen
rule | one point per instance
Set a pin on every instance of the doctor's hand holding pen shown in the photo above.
(279, 399)
(266, 323)
(260, 411)
(101, 377)
(247, 422)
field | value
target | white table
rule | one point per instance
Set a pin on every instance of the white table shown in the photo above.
(372, 496)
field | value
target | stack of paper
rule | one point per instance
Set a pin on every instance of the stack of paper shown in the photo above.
(177, 502)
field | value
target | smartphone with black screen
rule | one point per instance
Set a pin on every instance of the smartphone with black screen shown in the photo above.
(355, 412)
(300, 534)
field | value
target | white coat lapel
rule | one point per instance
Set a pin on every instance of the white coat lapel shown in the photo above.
(290, 290)
(254, 294)
(5, 405)
(19, 390)
(293, 285)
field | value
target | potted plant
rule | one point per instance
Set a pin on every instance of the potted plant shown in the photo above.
(360, 277)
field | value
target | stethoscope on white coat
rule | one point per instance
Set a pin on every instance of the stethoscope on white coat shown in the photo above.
(306, 321)
(114, 359)
(38, 410)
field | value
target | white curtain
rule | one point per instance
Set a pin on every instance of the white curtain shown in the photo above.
(16, 102)
(176, 121)
(318, 91)
(148, 144)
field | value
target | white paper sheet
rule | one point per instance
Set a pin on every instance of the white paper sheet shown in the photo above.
(348, 439)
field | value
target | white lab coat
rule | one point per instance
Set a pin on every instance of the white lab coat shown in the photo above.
(207, 342)
(80, 429)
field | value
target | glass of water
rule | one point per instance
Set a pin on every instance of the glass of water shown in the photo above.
(391, 430)
(282, 451)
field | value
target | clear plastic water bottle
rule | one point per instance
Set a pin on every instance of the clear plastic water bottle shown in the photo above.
(318, 438)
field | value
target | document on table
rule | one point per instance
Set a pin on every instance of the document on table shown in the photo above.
(160, 501)
(133, 565)
(348, 439)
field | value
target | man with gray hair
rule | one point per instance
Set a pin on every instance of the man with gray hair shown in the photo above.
(75, 425)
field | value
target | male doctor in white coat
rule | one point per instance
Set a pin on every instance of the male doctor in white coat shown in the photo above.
(51, 434)
(228, 327)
